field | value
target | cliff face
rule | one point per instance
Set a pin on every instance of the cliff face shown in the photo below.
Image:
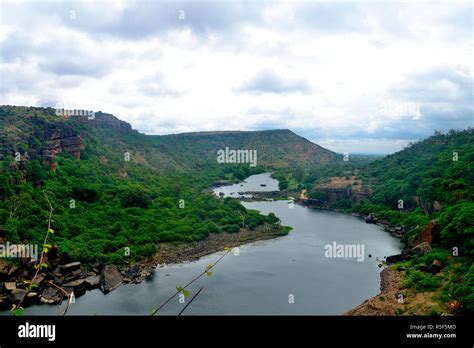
(343, 188)
(39, 133)
(61, 140)
(104, 120)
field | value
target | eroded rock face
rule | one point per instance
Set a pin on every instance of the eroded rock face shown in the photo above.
(430, 233)
(59, 140)
(422, 248)
(110, 278)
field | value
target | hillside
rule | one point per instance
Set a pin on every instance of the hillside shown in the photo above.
(427, 190)
(277, 148)
(127, 188)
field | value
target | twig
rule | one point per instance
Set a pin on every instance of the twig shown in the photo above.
(191, 300)
(188, 284)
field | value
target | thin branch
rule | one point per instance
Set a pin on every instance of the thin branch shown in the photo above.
(188, 284)
(191, 300)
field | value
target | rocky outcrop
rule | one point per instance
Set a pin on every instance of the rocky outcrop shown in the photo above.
(110, 278)
(59, 140)
(429, 207)
(430, 234)
(109, 121)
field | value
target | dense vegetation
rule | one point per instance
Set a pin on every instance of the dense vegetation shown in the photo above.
(104, 202)
(432, 179)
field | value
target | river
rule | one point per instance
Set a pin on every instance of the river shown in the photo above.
(284, 276)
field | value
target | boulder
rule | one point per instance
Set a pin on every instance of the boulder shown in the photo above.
(70, 267)
(10, 286)
(50, 295)
(435, 267)
(370, 219)
(17, 295)
(110, 278)
(405, 255)
(422, 248)
(78, 286)
(92, 281)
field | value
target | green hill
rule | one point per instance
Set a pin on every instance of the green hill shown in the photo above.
(434, 181)
(127, 188)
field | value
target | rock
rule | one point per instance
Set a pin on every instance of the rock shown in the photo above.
(38, 279)
(13, 270)
(133, 272)
(430, 234)
(76, 272)
(422, 248)
(10, 286)
(68, 268)
(6, 270)
(17, 295)
(32, 294)
(370, 219)
(405, 255)
(50, 295)
(78, 286)
(71, 278)
(74, 283)
(435, 267)
(93, 281)
(58, 280)
(110, 278)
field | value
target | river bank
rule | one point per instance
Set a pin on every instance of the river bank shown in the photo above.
(78, 278)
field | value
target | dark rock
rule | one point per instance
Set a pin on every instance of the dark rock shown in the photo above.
(133, 272)
(17, 295)
(370, 219)
(50, 296)
(405, 255)
(70, 267)
(435, 267)
(78, 286)
(110, 278)
(58, 280)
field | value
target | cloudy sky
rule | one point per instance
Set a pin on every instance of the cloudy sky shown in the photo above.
(359, 77)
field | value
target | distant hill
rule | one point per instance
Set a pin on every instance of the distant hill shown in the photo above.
(43, 133)
(276, 148)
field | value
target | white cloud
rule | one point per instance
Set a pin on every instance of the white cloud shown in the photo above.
(320, 69)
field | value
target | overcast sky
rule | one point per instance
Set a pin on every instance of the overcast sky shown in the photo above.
(355, 77)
